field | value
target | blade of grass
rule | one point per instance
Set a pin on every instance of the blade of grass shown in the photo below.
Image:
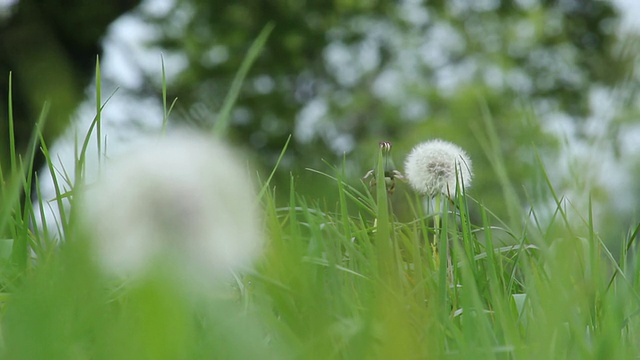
(365, 202)
(267, 183)
(98, 118)
(62, 225)
(384, 248)
(221, 125)
(490, 143)
(44, 230)
(555, 196)
(81, 157)
(20, 250)
(12, 139)
(165, 112)
(344, 212)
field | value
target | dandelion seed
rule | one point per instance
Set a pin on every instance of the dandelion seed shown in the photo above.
(433, 168)
(184, 199)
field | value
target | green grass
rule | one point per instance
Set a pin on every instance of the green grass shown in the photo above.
(337, 281)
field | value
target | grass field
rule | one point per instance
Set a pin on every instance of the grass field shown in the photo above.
(335, 281)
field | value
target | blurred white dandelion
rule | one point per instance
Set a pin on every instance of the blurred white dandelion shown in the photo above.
(434, 167)
(183, 200)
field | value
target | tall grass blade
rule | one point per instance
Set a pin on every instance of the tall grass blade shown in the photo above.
(221, 125)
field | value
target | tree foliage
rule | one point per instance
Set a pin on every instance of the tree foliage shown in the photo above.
(343, 75)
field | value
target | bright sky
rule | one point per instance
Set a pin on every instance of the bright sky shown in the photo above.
(630, 10)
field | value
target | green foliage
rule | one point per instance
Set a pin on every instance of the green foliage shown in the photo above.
(349, 279)
(447, 64)
(333, 285)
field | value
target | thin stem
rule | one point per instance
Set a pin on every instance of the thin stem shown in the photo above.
(436, 218)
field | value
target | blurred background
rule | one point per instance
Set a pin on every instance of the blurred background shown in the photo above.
(504, 79)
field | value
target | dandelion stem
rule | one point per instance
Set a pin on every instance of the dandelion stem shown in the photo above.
(436, 218)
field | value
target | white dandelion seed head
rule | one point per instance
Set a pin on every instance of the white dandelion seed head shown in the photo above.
(185, 198)
(430, 168)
